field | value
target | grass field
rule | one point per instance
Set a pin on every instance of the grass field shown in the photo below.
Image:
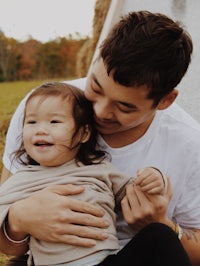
(11, 94)
(3, 259)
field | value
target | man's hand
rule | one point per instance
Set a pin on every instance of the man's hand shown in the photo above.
(140, 208)
(50, 215)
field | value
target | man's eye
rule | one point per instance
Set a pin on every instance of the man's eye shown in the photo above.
(127, 110)
(97, 91)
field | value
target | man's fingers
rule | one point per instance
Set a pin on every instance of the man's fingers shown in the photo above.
(65, 190)
(85, 232)
(73, 204)
(155, 186)
(73, 217)
(78, 241)
(169, 187)
(85, 207)
(136, 196)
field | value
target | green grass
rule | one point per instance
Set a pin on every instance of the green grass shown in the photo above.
(3, 259)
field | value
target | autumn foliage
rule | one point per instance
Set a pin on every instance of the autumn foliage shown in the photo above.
(35, 60)
(62, 57)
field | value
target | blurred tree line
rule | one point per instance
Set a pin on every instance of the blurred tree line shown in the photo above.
(32, 59)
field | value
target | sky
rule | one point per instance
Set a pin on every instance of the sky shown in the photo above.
(45, 20)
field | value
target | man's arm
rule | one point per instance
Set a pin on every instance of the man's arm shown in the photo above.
(9, 248)
(191, 243)
(53, 217)
(140, 209)
(6, 246)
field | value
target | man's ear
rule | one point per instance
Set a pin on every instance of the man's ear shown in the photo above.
(167, 100)
(85, 134)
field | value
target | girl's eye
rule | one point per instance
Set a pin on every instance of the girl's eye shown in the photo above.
(55, 121)
(31, 122)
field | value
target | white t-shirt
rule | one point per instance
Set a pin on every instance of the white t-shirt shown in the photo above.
(172, 144)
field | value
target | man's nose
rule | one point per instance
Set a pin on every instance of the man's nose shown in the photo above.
(103, 110)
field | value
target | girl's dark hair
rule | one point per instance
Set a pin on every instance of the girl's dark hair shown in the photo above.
(149, 49)
(82, 112)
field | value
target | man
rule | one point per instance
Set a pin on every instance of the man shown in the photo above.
(132, 86)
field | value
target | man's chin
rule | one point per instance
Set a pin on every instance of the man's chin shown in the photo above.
(105, 131)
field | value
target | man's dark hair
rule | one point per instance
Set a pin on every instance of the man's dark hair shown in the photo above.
(149, 49)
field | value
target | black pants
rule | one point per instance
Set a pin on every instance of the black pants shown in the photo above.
(155, 245)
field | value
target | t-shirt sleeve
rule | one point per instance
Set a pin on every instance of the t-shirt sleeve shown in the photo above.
(13, 137)
(79, 83)
(187, 210)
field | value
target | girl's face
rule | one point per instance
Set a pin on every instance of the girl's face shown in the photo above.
(48, 130)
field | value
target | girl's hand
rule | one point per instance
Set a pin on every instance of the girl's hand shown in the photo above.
(151, 180)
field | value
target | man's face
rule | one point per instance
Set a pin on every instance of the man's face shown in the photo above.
(117, 108)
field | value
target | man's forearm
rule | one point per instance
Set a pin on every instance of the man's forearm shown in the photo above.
(191, 242)
(9, 248)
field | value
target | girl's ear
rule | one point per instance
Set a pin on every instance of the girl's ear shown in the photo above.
(167, 100)
(85, 134)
